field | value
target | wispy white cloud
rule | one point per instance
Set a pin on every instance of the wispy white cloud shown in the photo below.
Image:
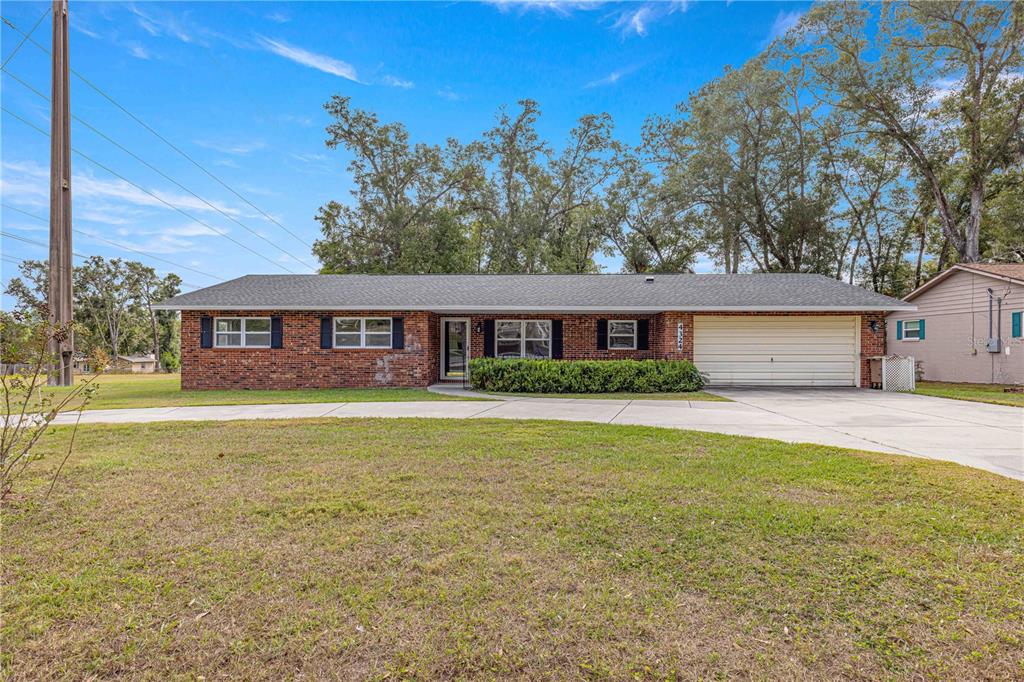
(637, 19)
(612, 78)
(396, 82)
(784, 21)
(299, 55)
(137, 50)
(561, 7)
(163, 24)
(279, 17)
(447, 93)
(234, 148)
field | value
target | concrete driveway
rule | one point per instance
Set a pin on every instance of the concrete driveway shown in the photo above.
(989, 437)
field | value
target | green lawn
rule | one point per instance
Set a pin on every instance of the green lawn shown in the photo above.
(432, 549)
(980, 393)
(692, 395)
(164, 390)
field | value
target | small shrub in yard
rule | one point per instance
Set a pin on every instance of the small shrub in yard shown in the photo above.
(584, 376)
(27, 408)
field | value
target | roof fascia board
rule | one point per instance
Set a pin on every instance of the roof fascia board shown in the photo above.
(942, 277)
(553, 309)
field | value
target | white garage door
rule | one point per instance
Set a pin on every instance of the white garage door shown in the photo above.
(777, 350)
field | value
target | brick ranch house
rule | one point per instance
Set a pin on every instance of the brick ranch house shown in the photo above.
(321, 331)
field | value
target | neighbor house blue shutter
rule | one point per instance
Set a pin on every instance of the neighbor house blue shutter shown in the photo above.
(326, 332)
(920, 326)
(1015, 323)
(899, 330)
(643, 333)
(398, 332)
(602, 334)
(276, 333)
(206, 332)
(556, 340)
(488, 338)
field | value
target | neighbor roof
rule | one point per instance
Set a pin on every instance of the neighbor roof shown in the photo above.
(1013, 272)
(565, 293)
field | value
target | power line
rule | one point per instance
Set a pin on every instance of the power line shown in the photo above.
(26, 36)
(93, 235)
(155, 196)
(36, 242)
(170, 144)
(162, 174)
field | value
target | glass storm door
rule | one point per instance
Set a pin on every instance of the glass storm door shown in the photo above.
(455, 337)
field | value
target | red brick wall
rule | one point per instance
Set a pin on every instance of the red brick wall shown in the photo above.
(579, 336)
(303, 364)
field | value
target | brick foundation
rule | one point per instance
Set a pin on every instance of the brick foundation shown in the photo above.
(301, 363)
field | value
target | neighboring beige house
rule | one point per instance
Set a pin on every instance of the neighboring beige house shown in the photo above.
(949, 332)
(136, 364)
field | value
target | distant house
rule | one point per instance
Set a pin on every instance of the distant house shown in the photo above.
(312, 331)
(81, 363)
(136, 364)
(967, 326)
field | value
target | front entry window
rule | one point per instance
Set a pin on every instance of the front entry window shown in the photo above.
(522, 338)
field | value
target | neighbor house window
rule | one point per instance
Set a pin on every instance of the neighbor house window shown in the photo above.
(622, 334)
(243, 332)
(522, 338)
(362, 332)
(912, 330)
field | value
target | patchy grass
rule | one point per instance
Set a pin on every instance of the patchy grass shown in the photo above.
(693, 395)
(979, 393)
(434, 549)
(164, 390)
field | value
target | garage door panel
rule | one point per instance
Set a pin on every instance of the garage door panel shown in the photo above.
(766, 351)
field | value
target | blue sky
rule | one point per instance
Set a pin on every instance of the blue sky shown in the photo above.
(240, 88)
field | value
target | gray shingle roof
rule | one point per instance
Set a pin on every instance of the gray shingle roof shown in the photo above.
(466, 293)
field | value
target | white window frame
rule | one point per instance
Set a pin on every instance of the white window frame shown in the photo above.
(917, 330)
(522, 336)
(242, 332)
(610, 335)
(362, 332)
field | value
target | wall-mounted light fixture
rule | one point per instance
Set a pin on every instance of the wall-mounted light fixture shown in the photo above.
(478, 327)
(873, 325)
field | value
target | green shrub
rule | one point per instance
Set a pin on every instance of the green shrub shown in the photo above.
(584, 376)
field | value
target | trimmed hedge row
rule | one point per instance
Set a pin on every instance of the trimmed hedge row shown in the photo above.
(584, 376)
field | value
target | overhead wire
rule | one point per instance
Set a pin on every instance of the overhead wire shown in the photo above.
(167, 177)
(170, 144)
(118, 245)
(152, 194)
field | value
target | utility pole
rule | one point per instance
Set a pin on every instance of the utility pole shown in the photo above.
(59, 294)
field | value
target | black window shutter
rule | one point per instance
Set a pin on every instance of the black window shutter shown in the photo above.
(602, 334)
(643, 332)
(276, 333)
(398, 332)
(556, 339)
(206, 332)
(326, 332)
(488, 338)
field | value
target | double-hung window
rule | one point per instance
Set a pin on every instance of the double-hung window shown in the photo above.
(622, 334)
(522, 338)
(242, 332)
(362, 332)
(912, 330)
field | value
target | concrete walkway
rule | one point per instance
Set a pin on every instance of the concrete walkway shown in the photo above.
(989, 437)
